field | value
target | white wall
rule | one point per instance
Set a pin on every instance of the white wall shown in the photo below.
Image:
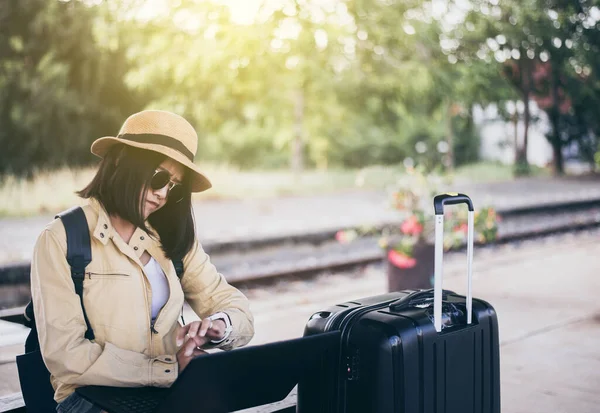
(498, 136)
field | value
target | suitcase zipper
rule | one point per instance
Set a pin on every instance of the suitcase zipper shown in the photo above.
(351, 360)
(359, 311)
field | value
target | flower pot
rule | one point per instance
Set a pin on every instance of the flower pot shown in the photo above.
(418, 276)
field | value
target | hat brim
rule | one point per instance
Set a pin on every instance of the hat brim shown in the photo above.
(199, 182)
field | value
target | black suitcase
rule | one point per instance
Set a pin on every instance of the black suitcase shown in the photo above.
(427, 351)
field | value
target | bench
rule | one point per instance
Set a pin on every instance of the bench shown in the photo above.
(13, 315)
(13, 403)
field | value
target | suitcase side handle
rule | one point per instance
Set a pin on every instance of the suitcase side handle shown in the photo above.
(438, 204)
(415, 298)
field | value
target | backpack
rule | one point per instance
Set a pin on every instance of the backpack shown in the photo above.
(34, 377)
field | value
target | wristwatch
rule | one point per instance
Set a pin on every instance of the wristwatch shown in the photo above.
(228, 327)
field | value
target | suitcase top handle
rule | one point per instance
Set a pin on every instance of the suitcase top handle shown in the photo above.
(416, 298)
(450, 198)
(438, 204)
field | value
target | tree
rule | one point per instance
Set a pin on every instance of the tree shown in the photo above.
(59, 88)
(426, 86)
(548, 45)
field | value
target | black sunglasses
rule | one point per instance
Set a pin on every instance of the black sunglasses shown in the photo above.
(160, 179)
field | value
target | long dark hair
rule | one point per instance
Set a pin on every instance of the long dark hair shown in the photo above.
(122, 178)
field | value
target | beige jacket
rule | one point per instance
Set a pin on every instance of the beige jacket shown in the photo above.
(117, 298)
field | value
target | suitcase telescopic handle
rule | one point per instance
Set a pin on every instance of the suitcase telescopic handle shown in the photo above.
(438, 204)
(451, 198)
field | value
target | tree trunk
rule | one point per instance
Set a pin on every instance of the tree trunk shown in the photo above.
(554, 115)
(525, 67)
(450, 137)
(297, 161)
(516, 126)
(555, 141)
(558, 158)
(526, 122)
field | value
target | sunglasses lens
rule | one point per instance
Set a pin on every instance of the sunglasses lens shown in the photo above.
(176, 193)
(159, 180)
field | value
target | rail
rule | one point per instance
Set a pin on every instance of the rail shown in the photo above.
(265, 260)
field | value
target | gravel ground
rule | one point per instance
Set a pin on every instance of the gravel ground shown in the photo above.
(231, 220)
(329, 288)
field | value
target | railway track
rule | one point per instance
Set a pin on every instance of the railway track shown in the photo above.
(315, 253)
(273, 259)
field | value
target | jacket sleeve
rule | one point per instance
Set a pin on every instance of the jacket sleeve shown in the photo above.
(207, 292)
(69, 356)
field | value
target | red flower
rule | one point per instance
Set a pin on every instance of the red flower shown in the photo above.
(411, 226)
(464, 228)
(341, 237)
(400, 260)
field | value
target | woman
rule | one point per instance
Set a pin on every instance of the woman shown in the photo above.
(140, 219)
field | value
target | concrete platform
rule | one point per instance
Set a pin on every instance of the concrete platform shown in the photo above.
(546, 297)
(545, 292)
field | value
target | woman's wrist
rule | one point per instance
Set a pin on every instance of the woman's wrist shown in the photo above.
(221, 316)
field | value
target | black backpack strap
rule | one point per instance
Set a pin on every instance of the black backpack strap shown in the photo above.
(178, 264)
(79, 253)
(31, 342)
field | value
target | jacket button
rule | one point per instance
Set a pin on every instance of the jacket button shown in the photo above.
(142, 238)
(135, 248)
(167, 371)
(105, 226)
(102, 235)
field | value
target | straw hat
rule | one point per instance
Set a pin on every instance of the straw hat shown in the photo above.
(162, 132)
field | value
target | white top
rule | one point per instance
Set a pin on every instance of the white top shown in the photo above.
(159, 284)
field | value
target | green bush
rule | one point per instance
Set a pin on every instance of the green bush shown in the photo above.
(521, 168)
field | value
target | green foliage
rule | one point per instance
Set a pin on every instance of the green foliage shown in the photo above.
(548, 51)
(319, 84)
(521, 168)
(58, 87)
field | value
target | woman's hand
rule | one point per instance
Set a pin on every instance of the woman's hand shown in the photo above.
(186, 353)
(198, 333)
(201, 332)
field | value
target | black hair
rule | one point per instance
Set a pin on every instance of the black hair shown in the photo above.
(122, 177)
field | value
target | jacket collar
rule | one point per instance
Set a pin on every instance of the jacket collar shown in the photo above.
(104, 230)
